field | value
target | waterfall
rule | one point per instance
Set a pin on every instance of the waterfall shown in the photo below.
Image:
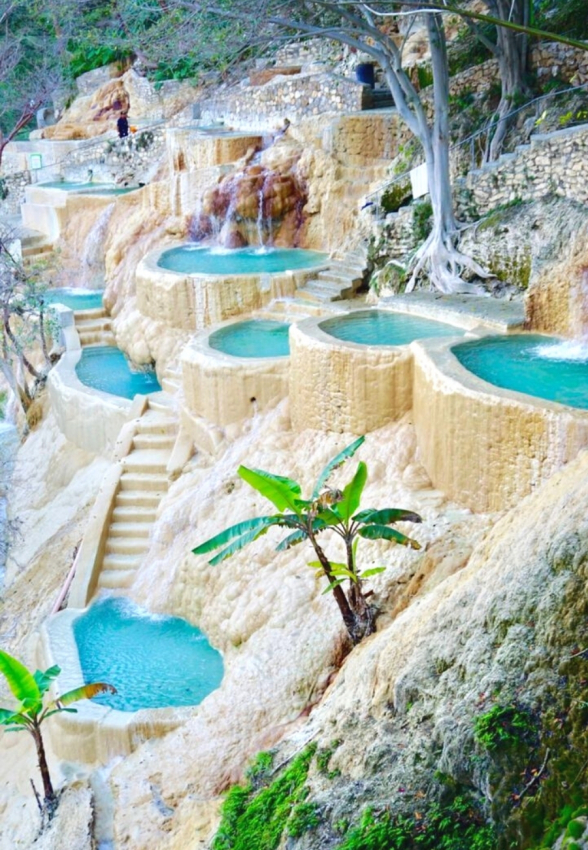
(92, 261)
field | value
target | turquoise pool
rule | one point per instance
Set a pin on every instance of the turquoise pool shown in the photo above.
(72, 186)
(189, 259)
(76, 299)
(253, 338)
(104, 367)
(381, 327)
(540, 366)
(152, 661)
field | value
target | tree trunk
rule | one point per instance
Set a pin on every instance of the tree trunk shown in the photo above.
(438, 255)
(49, 793)
(512, 54)
(364, 613)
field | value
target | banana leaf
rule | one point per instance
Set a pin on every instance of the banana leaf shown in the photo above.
(386, 516)
(236, 531)
(382, 532)
(20, 680)
(281, 492)
(332, 465)
(352, 493)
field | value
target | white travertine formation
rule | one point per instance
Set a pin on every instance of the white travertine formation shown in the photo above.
(194, 301)
(484, 446)
(225, 389)
(344, 387)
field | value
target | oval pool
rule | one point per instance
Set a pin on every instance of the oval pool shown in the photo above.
(76, 299)
(87, 188)
(537, 365)
(152, 661)
(383, 327)
(104, 367)
(252, 338)
(188, 259)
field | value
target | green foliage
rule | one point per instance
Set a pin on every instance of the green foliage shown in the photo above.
(323, 757)
(395, 196)
(256, 815)
(564, 18)
(466, 50)
(308, 518)
(305, 816)
(87, 57)
(576, 829)
(422, 219)
(424, 76)
(502, 726)
(458, 826)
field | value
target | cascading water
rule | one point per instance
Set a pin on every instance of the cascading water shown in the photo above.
(575, 349)
(92, 260)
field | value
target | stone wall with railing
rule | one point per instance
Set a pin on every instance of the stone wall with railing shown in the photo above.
(552, 164)
(294, 97)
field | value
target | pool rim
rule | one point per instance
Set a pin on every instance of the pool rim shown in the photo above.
(440, 352)
(201, 344)
(150, 263)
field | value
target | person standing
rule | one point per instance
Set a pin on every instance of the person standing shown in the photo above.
(122, 125)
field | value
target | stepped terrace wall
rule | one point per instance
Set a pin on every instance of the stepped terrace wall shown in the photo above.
(552, 164)
(293, 97)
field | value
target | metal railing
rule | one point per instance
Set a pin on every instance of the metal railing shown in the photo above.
(374, 198)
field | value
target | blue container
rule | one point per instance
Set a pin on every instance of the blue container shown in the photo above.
(364, 73)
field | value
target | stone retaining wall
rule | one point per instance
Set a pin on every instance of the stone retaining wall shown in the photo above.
(553, 164)
(295, 97)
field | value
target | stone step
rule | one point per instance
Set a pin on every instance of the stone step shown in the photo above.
(152, 461)
(98, 338)
(153, 440)
(116, 579)
(126, 546)
(170, 385)
(340, 278)
(318, 294)
(134, 514)
(30, 252)
(120, 563)
(92, 325)
(94, 313)
(162, 403)
(137, 499)
(344, 265)
(144, 481)
(155, 423)
(129, 529)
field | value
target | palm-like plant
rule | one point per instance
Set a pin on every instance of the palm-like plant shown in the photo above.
(30, 689)
(327, 509)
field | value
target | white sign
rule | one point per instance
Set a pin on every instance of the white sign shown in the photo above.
(419, 181)
(36, 161)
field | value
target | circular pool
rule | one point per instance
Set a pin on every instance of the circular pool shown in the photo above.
(152, 661)
(252, 338)
(76, 299)
(105, 368)
(382, 327)
(192, 259)
(539, 366)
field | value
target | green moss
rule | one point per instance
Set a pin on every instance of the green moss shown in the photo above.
(395, 196)
(323, 757)
(256, 815)
(503, 726)
(458, 826)
(305, 816)
(422, 220)
(575, 829)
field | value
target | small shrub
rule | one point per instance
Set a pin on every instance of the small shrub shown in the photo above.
(424, 76)
(304, 817)
(502, 726)
(422, 220)
(395, 196)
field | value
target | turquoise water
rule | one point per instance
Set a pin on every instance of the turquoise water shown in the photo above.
(106, 368)
(380, 327)
(528, 363)
(76, 299)
(72, 186)
(152, 661)
(254, 338)
(197, 260)
(88, 188)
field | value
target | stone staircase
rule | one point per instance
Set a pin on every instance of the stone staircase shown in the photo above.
(35, 247)
(379, 98)
(143, 483)
(94, 327)
(340, 281)
(171, 380)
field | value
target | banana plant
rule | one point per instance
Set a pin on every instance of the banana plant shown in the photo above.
(306, 519)
(30, 690)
